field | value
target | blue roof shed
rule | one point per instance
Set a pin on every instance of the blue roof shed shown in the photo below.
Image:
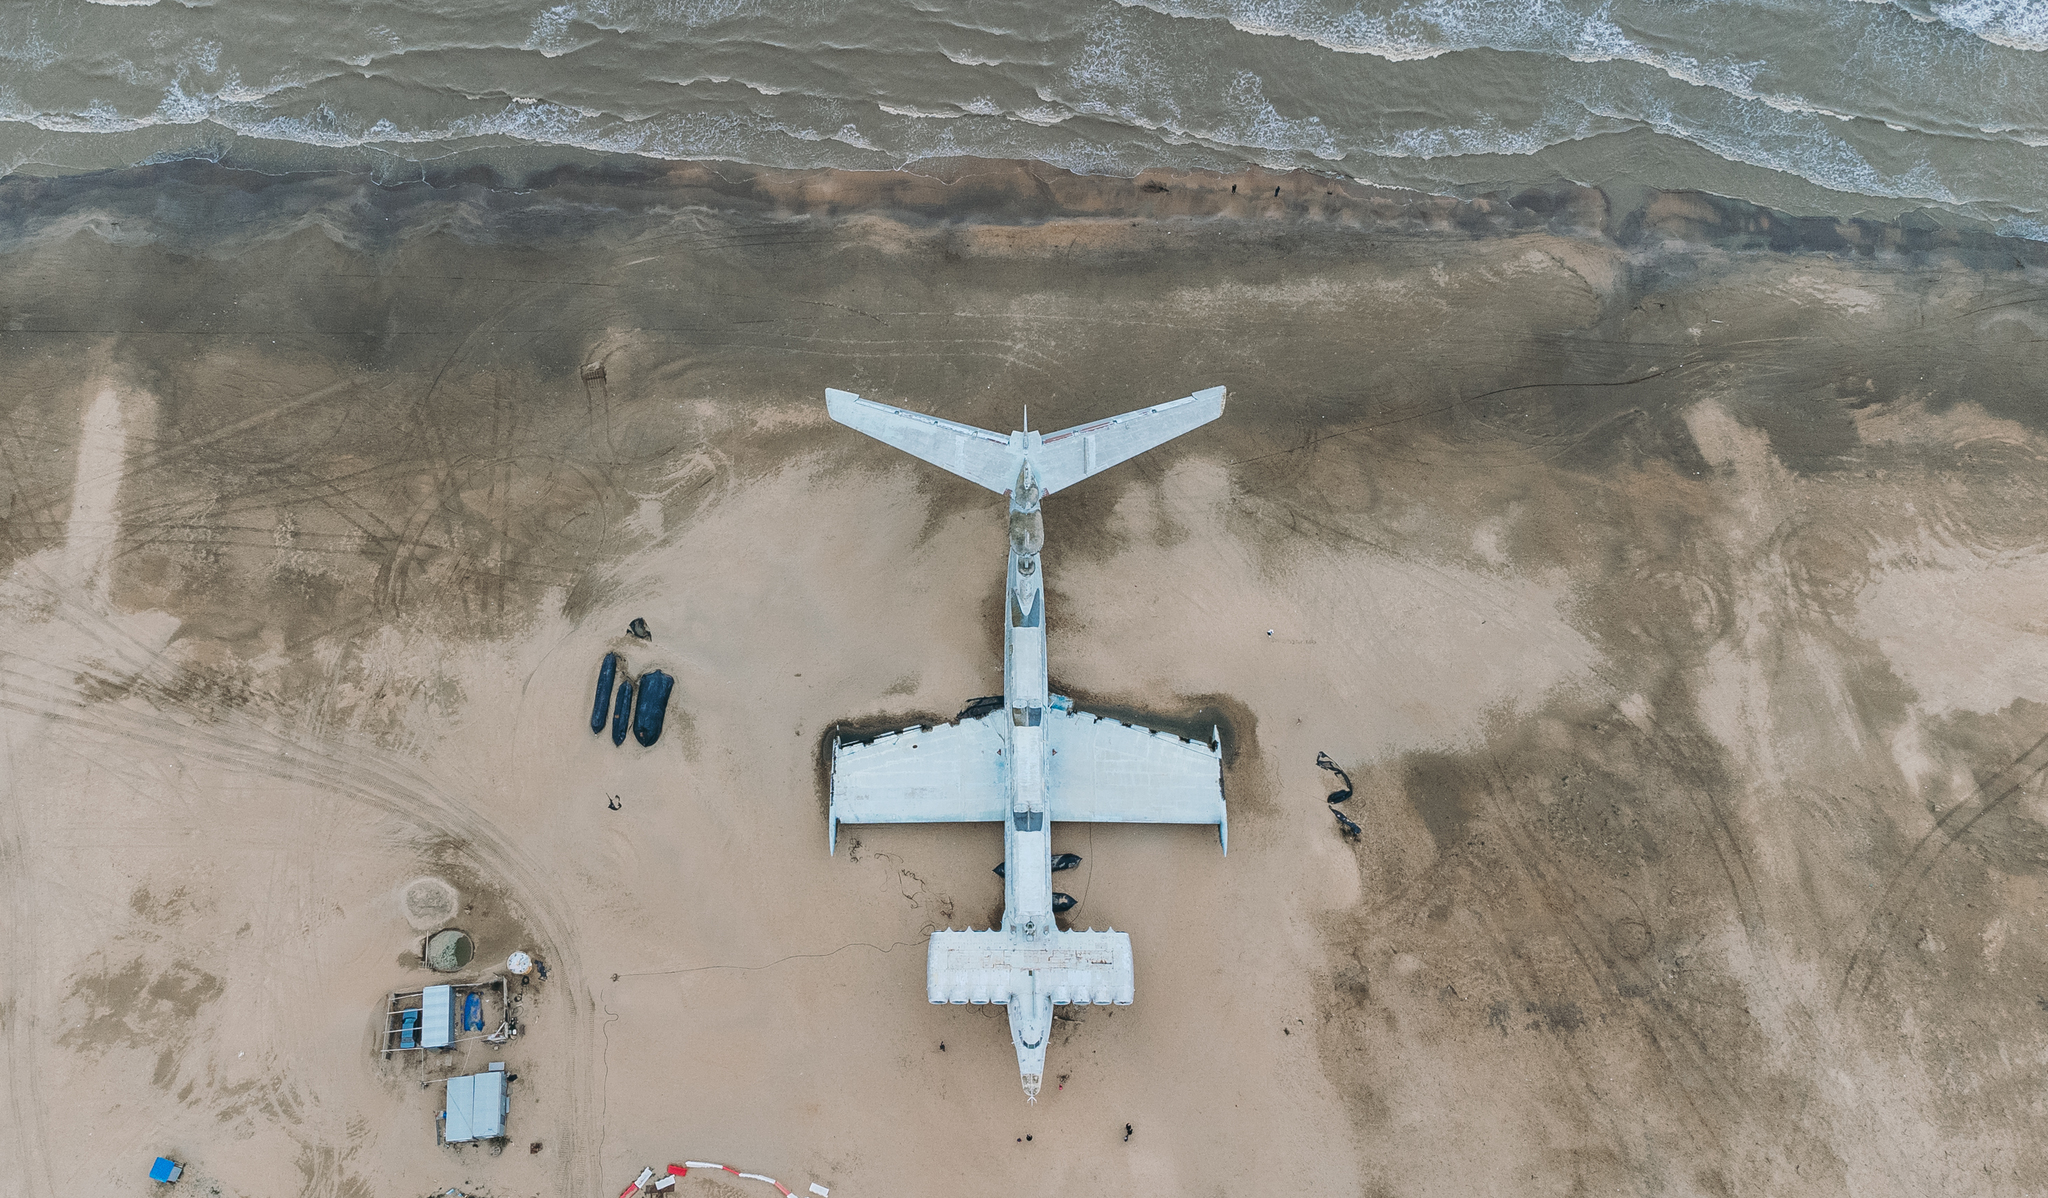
(166, 1169)
(477, 1105)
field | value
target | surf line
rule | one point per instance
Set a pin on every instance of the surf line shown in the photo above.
(667, 1183)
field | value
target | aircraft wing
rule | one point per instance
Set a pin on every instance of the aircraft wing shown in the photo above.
(949, 773)
(1070, 455)
(1067, 967)
(975, 454)
(1104, 771)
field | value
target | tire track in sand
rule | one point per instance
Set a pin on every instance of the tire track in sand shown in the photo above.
(374, 779)
(1903, 886)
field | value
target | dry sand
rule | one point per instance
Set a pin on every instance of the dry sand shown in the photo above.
(1668, 577)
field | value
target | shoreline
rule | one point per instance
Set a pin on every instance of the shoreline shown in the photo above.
(980, 191)
(1664, 576)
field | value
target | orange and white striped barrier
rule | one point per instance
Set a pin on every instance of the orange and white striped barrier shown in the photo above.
(683, 1170)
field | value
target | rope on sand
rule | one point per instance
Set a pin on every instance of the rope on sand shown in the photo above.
(682, 1170)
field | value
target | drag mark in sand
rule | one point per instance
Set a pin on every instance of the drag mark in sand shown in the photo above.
(681, 969)
(612, 1016)
(1905, 882)
(384, 784)
(167, 454)
(94, 525)
(18, 990)
(1366, 426)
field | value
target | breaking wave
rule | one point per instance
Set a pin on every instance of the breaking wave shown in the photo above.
(1829, 105)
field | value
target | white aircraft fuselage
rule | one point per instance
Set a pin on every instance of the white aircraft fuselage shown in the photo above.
(1037, 759)
(1027, 834)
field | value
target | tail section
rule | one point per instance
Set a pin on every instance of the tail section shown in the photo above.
(975, 454)
(1030, 979)
(1070, 455)
(994, 461)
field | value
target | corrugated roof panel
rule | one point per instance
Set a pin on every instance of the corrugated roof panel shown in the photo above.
(437, 1017)
(460, 1123)
(476, 1108)
(487, 1116)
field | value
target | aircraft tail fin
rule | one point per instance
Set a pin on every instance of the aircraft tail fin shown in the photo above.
(1070, 455)
(975, 454)
(993, 460)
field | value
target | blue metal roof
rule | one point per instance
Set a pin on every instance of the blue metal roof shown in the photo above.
(476, 1107)
(165, 1169)
(437, 1017)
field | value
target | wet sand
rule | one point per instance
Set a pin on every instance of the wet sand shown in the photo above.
(1667, 575)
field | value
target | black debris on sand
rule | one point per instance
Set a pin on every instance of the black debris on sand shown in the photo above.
(1323, 761)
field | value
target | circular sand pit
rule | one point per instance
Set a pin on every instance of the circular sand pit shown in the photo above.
(428, 903)
(449, 950)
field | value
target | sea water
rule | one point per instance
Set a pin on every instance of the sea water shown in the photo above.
(1816, 106)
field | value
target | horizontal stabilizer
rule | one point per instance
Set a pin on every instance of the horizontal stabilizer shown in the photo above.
(1060, 459)
(1103, 771)
(950, 773)
(975, 454)
(994, 967)
(1070, 455)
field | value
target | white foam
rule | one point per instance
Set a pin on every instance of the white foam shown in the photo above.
(551, 37)
(919, 113)
(33, 50)
(639, 16)
(2032, 228)
(1164, 83)
(2015, 24)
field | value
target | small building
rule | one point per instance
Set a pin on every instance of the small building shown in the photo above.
(437, 1017)
(166, 1170)
(477, 1106)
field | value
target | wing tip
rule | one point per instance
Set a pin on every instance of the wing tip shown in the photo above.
(839, 404)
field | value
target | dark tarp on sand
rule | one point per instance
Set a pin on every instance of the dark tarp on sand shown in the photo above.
(652, 709)
(606, 674)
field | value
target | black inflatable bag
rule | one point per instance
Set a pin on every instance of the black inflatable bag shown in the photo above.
(622, 712)
(652, 708)
(606, 675)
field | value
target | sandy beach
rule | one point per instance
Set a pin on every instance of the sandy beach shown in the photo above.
(1666, 573)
